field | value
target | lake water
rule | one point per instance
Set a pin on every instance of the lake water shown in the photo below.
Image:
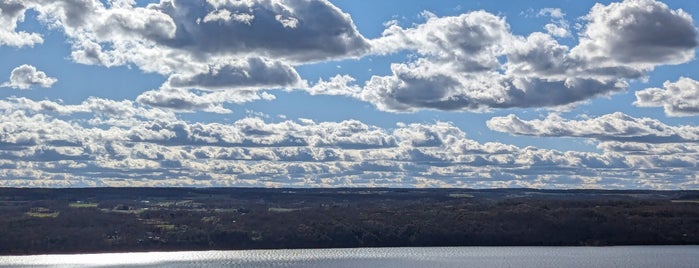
(632, 256)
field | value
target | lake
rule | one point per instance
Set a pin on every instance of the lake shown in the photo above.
(626, 256)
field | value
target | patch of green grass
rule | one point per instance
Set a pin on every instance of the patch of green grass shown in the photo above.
(167, 227)
(460, 196)
(43, 214)
(130, 211)
(283, 209)
(685, 201)
(211, 219)
(82, 205)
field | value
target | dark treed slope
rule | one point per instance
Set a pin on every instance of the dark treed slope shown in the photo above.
(145, 219)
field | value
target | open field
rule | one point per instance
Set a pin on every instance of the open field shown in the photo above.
(82, 205)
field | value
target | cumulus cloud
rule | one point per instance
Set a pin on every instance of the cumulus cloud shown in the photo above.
(104, 111)
(555, 13)
(12, 12)
(559, 27)
(188, 101)
(320, 30)
(679, 98)
(467, 62)
(474, 62)
(682, 149)
(250, 73)
(233, 46)
(336, 85)
(412, 90)
(637, 32)
(214, 29)
(27, 76)
(469, 40)
(616, 126)
(119, 143)
(557, 30)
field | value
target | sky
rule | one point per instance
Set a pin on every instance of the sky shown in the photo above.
(311, 93)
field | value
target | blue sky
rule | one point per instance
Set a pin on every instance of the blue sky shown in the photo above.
(543, 94)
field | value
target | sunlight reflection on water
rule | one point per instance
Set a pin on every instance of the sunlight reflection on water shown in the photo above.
(641, 256)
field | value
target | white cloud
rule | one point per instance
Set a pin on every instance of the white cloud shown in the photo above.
(135, 147)
(105, 111)
(473, 61)
(248, 73)
(556, 30)
(188, 101)
(27, 76)
(641, 33)
(679, 98)
(468, 62)
(12, 12)
(471, 40)
(204, 45)
(642, 148)
(226, 16)
(616, 126)
(288, 22)
(322, 30)
(336, 85)
(559, 27)
(555, 13)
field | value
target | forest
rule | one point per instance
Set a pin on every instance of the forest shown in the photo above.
(82, 220)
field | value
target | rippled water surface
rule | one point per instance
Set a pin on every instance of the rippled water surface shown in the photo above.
(636, 256)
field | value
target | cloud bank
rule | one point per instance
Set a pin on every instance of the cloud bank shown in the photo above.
(236, 46)
(474, 62)
(217, 52)
(679, 98)
(470, 62)
(122, 143)
(617, 126)
(12, 12)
